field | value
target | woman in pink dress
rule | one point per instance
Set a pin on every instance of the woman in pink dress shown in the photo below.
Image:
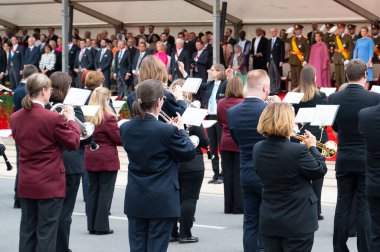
(320, 60)
(161, 53)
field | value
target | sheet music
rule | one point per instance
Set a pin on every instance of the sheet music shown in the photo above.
(194, 116)
(90, 110)
(77, 97)
(119, 123)
(324, 115)
(328, 91)
(192, 85)
(5, 132)
(208, 123)
(375, 88)
(293, 97)
(305, 115)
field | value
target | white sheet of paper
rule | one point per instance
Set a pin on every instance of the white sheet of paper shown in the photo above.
(305, 115)
(119, 123)
(89, 110)
(5, 132)
(328, 90)
(375, 88)
(192, 85)
(113, 98)
(5, 88)
(77, 96)
(293, 97)
(194, 116)
(118, 104)
(208, 123)
(324, 115)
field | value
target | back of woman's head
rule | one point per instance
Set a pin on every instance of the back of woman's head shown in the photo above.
(34, 85)
(61, 83)
(93, 80)
(84, 75)
(277, 119)
(148, 93)
(221, 71)
(234, 88)
(153, 68)
(100, 96)
(308, 84)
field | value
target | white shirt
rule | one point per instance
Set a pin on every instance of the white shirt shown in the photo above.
(242, 44)
(212, 104)
(38, 102)
(257, 41)
(152, 115)
(252, 96)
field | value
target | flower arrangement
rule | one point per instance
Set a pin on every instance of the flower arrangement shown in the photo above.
(6, 109)
(124, 111)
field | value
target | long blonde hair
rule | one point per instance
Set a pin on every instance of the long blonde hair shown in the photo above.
(100, 96)
(307, 85)
(153, 68)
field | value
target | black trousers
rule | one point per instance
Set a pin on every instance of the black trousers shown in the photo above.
(288, 244)
(72, 186)
(149, 235)
(14, 77)
(39, 224)
(190, 184)
(374, 209)
(214, 134)
(348, 185)
(100, 193)
(317, 188)
(233, 202)
(17, 201)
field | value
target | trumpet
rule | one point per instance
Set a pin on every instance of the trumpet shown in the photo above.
(328, 149)
(193, 138)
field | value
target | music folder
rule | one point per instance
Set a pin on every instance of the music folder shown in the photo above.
(192, 85)
(324, 115)
(77, 97)
(293, 97)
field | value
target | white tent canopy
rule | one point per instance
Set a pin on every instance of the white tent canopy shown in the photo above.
(42, 13)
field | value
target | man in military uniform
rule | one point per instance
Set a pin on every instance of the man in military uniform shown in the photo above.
(299, 54)
(328, 38)
(343, 48)
(352, 32)
(376, 41)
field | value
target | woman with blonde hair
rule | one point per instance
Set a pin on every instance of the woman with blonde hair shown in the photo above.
(161, 54)
(288, 211)
(93, 80)
(102, 164)
(312, 97)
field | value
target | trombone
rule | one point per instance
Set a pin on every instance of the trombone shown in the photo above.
(328, 149)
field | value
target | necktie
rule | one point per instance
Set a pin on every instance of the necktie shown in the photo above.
(273, 40)
(121, 55)
(139, 62)
(81, 54)
(102, 54)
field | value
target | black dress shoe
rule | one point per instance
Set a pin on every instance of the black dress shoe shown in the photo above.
(104, 232)
(16, 204)
(212, 181)
(91, 232)
(174, 238)
(191, 239)
(320, 217)
(218, 181)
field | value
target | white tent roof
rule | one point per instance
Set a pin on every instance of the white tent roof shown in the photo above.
(40, 13)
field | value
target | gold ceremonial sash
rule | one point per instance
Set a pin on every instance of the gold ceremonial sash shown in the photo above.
(343, 51)
(376, 50)
(295, 49)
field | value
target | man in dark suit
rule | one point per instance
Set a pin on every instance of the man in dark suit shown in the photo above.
(15, 63)
(51, 35)
(123, 70)
(73, 50)
(242, 121)
(230, 39)
(369, 125)
(83, 62)
(92, 51)
(103, 62)
(58, 56)
(275, 59)
(310, 35)
(24, 37)
(350, 165)
(3, 65)
(131, 47)
(169, 46)
(32, 53)
(259, 50)
(171, 39)
(182, 55)
(43, 41)
(140, 55)
(200, 62)
(151, 33)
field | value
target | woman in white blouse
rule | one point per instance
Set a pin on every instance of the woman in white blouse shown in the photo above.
(47, 60)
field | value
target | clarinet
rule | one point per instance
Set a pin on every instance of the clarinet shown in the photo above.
(9, 166)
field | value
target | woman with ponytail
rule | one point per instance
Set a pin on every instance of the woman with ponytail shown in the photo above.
(102, 164)
(154, 148)
(41, 135)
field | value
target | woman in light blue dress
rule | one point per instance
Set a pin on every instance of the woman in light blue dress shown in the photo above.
(364, 51)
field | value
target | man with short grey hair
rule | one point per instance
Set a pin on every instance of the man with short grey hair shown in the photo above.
(179, 55)
(275, 59)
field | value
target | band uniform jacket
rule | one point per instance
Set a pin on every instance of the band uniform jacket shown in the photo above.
(124, 66)
(277, 53)
(32, 57)
(202, 64)
(86, 61)
(338, 58)
(17, 61)
(41, 167)
(154, 149)
(303, 46)
(107, 136)
(369, 125)
(351, 144)
(289, 205)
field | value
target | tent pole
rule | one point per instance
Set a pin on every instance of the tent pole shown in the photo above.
(65, 33)
(216, 33)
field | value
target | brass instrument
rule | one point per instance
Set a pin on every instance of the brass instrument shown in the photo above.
(329, 148)
(86, 128)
